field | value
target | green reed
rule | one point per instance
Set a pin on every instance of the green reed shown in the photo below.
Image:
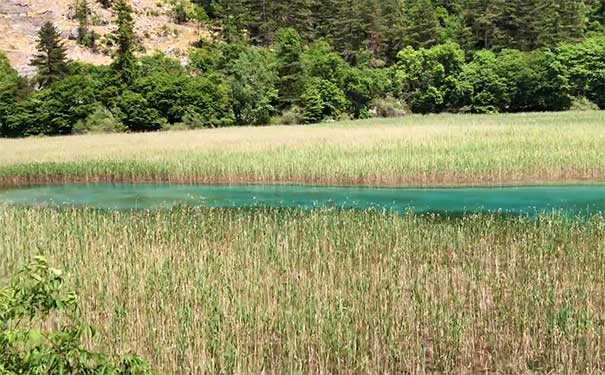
(209, 291)
(416, 150)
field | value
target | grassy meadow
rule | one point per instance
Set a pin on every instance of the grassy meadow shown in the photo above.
(416, 150)
(218, 291)
(286, 292)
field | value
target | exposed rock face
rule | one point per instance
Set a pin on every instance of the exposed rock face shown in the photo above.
(20, 21)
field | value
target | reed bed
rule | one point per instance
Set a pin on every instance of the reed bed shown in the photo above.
(209, 291)
(413, 151)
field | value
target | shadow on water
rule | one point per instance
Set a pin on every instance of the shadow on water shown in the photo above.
(439, 204)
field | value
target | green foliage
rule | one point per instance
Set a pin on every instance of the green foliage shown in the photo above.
(158, 63)
(50, 59)
(205, 60)
(124, 36)
(367, 58)
(586, 65)
(422, 28)
(427, 78)
(134, 111)
(185, 10)
(32, 296)
(320, 61)
(322, 99)
(254, 87)
(172, 96)
(9, 88)
(99, 121)
(388, 107)
(515, 81)
(54, 110)
(361, 86)
(86, 37)
(385, 27)
(288, 51)
(485, 90)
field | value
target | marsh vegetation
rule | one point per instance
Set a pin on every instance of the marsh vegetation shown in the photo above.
(279, 291)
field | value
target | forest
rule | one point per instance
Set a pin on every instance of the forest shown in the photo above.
(310, 61)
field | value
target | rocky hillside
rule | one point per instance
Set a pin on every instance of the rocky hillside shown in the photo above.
(20, 21)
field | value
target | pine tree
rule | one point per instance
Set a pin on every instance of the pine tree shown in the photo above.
(297, 14)
(288, 51)
(324, 18)
(394, 27)
(124, 59)
(233, 17)
(572, 14)
(375, 28)
(490, 21)
(422, 24)
(82, 13)
(350, 29)
(50, 60)
(596, 14)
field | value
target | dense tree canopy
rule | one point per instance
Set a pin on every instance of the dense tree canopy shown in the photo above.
(50, 60)
(386, 26)
(311, 61)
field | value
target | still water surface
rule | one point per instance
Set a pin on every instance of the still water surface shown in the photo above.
(570, 200)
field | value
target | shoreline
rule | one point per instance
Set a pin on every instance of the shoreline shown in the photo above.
(15, 182)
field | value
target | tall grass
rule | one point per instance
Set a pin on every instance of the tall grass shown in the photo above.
(417, 150)
(286, 292)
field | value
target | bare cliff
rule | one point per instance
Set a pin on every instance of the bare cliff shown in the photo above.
(20, 21)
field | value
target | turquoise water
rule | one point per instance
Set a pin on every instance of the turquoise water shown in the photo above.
(510, 200)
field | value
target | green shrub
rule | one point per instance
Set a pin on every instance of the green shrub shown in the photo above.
(322, 99)
(134, 112)
(159, 63)
(99, 121)
(361, 86)
(484, 89)
(172, 96)
(583, 104)
(320, 61)
(56, 109)
(585, 62)
(34, 296)
(254, 87)
(428, 78)
(292, 116)
(204, 60)
(388, 107)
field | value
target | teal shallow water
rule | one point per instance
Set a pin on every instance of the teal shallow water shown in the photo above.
(511, 200)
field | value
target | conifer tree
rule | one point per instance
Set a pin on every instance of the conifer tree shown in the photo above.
(572, 14)
(232, 18)
(82, 13)
(394, 27)
(324, 18)
(297, 14)
(288, 50)
(349, 28)
(124, 58)
(50, 60)
(596, 14)
(422, 24)
(375, 27)
(520, 23)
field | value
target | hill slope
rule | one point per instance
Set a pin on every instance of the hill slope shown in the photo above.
(20, 21)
